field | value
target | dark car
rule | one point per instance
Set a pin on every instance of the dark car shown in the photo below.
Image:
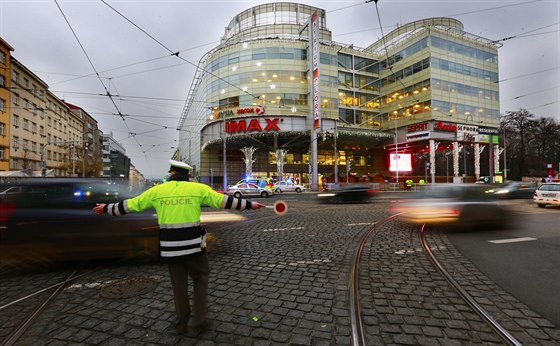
(456, 205)
(349, 193)
(51, 220)
(514, 189)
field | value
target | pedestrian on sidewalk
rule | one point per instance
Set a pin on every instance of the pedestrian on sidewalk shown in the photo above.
(182, 243)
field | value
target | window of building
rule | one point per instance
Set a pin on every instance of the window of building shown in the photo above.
(15, 120)
(1, 105)
(2, 57)
(345, 61)
(2, 81)
(345, 79)
(15, 99)
(2, 129)
(34, 147)
(1, 153)
(25, 144)
(15, 76)
(26, 124)
(15, 142)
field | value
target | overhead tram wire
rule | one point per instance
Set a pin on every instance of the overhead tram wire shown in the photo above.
(191, 63)
(197, 66)
(100, 80)
(495, 8)
(128, 65)
(389, 66)
(528, 32)
(91, 63)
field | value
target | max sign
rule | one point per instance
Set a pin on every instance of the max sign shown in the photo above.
(252, 125)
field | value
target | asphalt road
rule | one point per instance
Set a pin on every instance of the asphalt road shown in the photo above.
(523, 260)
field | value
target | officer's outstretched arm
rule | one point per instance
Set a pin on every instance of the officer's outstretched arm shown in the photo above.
(115, 209)
(230, 202)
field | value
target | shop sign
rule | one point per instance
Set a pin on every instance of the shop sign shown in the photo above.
(417, 136)
(223, 114)
(449, 127)
(259, 110)
(417, 127)
(467, 128)
(488, 130)
(315, 46)
(253, 125)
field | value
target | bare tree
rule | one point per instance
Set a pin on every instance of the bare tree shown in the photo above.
(517, 126)
(530, 143)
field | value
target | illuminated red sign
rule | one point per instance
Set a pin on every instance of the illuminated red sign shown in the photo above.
(252, 125)
(246, 110)
(441, 126)
(417, 127)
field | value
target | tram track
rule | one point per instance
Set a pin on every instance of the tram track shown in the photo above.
(483, 313)
(359, 331)
(40, 304)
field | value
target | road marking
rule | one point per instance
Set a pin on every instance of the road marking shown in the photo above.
(305, 262)
(511, 240)
(411, 251)
(282, 229)
(97, 284)
(361, 224)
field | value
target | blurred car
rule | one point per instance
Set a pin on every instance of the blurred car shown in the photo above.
(267, 183)
(514, 189)
(463, 205)
(247, 189)
(348, 193)
(547, 194)
(285, 186)
(50, 220)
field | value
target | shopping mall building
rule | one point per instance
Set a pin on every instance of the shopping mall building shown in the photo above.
(279, 98)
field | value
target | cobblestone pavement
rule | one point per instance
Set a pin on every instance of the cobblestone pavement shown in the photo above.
(283, 280)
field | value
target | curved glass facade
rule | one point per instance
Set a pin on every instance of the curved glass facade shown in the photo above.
(434, 71)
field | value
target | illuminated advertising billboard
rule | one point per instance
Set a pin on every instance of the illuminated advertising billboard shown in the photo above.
(400, 162)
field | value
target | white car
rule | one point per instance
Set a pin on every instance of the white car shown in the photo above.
(547, 193)
(247, 189)
(285, 186)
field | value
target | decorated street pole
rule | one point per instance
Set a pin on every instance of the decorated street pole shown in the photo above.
(248, 151)
(280, 154)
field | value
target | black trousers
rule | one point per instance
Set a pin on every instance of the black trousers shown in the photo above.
(195, 266)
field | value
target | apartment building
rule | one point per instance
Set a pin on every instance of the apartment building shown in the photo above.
(40, 134)
(90, 148)
(5, 67)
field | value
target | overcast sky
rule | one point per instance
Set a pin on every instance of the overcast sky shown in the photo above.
(129, 45)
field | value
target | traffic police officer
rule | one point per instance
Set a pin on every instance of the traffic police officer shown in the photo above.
(181, 238)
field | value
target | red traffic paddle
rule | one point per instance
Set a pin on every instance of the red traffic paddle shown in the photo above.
(280, 207)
